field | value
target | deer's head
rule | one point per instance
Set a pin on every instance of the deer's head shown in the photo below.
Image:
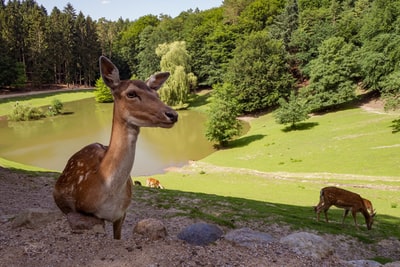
(137, 103)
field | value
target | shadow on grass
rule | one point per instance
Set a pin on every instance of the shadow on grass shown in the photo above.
(300, 126)
(200, 100)
(246, 140)
(395, 126)
(24, 170)
(233, 211)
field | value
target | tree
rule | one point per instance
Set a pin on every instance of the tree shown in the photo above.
(293, 111)
(259, 14)
(102, 93)
(390, 90)
(259, 72)
(287, 22)
(176, 60)
(128, 44)
(332, 74)
(222, 124)
(378, 58)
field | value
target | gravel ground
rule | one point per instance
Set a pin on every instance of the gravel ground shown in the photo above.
(54, 244)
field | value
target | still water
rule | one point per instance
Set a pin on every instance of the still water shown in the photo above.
(50, 142)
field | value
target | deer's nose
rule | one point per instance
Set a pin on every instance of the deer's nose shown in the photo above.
(173, 116)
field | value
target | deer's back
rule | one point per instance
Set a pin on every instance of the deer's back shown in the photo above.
(340, 197)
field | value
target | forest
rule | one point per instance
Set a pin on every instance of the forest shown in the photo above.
(254, 52)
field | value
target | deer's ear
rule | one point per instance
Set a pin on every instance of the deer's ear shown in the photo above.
(157, 80)
(109, 72)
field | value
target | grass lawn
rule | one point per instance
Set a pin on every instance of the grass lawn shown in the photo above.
(351, 141)
(284, 170)
(45, 99)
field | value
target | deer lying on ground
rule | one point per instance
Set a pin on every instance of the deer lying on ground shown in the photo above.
(152, 182)
(96, 183)
(347, 200)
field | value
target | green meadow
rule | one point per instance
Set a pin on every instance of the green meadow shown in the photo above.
(274, 171)
(273, 175)
(41, 100)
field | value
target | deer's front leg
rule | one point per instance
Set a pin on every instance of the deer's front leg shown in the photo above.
(117, 227)
(344, 215)
(326, 215)
(354, 213)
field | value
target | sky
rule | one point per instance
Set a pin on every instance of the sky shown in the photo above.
(129, 9)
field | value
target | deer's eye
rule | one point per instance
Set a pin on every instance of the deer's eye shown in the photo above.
(131, 94)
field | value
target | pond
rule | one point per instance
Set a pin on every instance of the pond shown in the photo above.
(49, 143)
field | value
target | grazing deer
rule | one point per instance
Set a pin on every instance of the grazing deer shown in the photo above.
(368, 206)
(347, 200)
(152, 182)
(96, 181)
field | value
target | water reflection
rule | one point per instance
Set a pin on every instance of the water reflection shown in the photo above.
(50, 142)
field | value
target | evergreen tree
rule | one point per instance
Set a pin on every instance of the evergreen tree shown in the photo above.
(102, 93)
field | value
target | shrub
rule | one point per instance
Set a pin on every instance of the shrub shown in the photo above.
(55, 108)
(25, 112)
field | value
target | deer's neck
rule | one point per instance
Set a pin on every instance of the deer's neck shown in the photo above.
(118, 160)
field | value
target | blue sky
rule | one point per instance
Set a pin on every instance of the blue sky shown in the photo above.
(129, 9)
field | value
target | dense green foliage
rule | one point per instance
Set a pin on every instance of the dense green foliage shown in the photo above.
(56, 107)
(25, 112)
(102, 93)
(22, 111)
(261, 47)
(291, 112)
(222, 124)
(176, 60)
(332, 74)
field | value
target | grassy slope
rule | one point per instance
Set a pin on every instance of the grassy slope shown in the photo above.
(352, 148)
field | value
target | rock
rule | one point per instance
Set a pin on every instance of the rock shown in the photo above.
(364, 263)
(151, 228)
(201, 234)
(79, 221)
(393, 264)
(307, 244)
(248, 238)
(35, 218)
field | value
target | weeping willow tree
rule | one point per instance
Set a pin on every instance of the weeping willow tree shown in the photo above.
(176, 60)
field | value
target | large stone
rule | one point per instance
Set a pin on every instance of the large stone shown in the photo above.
(79, 222)
(201, 234)
(248, 237)
(364, 263)
(308, 244)
(35, 218)
(151, 228)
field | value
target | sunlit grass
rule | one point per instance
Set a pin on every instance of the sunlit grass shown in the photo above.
(351, 141)
(45, 99)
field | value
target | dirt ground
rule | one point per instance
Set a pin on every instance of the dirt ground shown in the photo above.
(53, 243)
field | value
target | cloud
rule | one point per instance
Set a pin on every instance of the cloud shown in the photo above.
(105, 2)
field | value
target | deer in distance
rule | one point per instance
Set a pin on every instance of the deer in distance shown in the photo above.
(347, 200)
(95, 184)
(154, 183)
